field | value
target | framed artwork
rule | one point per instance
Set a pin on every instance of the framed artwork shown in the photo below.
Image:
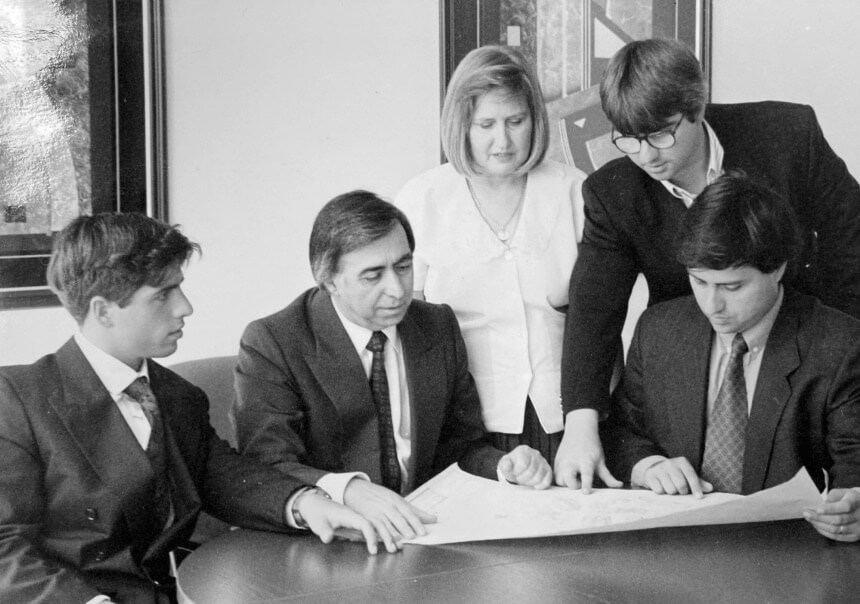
(570, 42)
(81, 126)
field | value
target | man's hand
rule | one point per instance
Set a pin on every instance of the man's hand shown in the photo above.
(580, 454)
(676, 476)
(327, 518)
(527, 467)
(838, 517)
(393, 519)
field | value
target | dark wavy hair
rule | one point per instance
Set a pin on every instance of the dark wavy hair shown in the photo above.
(113, 255)
(738, 221)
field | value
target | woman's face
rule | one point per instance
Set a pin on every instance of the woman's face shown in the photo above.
(500, 133)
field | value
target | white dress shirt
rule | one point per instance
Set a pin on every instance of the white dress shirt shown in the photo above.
(715, 167)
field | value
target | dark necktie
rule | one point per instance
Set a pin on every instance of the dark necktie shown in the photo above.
(723, 461)
(140, 391)
(379, 387)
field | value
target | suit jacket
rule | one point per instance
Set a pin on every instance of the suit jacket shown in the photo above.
(76, 487)
(805, 409)
(631, 221)
(303, 402)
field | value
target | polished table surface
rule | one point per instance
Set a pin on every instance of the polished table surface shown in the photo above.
(765, 562)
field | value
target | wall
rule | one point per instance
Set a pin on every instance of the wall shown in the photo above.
(273, 108)
(276, 106)
(793, 50)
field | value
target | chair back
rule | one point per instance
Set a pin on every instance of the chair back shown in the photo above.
(214, 375)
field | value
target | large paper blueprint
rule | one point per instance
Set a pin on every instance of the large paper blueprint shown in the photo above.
(469, 508)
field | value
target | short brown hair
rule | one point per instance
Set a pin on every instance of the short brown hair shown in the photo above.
(113, 255)
(482, 70)
(649, 81)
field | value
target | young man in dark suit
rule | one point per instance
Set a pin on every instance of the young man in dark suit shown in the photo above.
(308, 384)
(108, 457)
(654, 94)
(740, 385)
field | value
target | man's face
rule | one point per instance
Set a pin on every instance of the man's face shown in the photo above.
(735, 299)
(679, 163)
(150, 325)
(373, 285)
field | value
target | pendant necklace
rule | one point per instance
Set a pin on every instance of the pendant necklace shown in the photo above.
(501, 232)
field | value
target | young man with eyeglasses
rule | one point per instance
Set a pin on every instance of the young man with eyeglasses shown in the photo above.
(654, 94)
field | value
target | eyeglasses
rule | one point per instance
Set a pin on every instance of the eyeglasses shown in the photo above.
(631, 144)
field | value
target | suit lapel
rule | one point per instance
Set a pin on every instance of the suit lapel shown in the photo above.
(338, 368)
(184, 496)
(425, 376)
(781, 358)
(93, 420)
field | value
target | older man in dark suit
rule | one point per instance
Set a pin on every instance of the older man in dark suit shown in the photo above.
(654, 94)
(107, 457)
(355, 380)
(740, 385)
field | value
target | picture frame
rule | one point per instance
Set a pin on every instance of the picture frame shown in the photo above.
(570, 43)
(81, 126)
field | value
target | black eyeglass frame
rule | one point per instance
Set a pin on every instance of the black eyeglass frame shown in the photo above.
(647, 138)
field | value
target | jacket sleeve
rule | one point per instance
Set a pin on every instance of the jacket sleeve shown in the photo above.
(625, 433)
(269, 411)
(25, 575)
(600, 287)
(834, 204)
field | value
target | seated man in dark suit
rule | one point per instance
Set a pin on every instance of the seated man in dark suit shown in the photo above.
(740, 385)
(108, 457)
(654, 94)
(355, 377)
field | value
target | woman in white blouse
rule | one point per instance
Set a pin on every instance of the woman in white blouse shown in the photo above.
(496, 230)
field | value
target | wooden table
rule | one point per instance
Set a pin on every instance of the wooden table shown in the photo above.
(766, 562)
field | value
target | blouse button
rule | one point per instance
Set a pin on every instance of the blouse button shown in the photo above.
(508, 254)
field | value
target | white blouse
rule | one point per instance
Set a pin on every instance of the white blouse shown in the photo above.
(506, 298)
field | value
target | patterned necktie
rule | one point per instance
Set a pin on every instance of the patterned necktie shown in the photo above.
(140, 391)
(723, 461)
(379, 388)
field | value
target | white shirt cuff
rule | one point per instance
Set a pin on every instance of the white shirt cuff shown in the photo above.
(98, 600)
(335, 483)
(637, 476)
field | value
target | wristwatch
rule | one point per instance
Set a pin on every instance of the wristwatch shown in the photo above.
(297, 515)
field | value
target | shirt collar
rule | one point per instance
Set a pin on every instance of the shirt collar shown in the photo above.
(756, 336)
(113, 373)
(715, 167)
(360, 336)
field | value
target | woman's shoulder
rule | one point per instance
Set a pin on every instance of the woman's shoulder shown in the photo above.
(430, 188)
(552, 170)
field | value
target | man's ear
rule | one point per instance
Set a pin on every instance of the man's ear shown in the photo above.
(101, 310)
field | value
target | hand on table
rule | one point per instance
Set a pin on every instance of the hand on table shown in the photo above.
(527, 467)
(580, 454)
(838, 516)
(393, 519)
(328, 519)
(676, 476)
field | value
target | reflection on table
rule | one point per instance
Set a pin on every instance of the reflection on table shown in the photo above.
(767, 562)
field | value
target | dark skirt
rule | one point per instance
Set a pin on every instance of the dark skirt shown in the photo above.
(533, 436)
